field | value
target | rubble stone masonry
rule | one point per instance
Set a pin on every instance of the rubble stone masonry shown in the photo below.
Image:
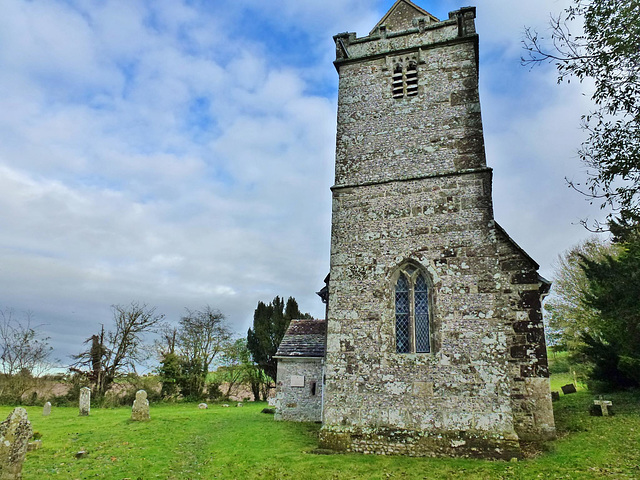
(412, 187)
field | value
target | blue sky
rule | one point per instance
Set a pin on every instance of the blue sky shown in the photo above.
(180, 153)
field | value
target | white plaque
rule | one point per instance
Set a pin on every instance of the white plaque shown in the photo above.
(297, 380)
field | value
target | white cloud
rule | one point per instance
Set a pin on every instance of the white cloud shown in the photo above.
(173, 153)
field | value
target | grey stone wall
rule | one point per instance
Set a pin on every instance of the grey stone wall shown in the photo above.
(299, 403)
(412, 185)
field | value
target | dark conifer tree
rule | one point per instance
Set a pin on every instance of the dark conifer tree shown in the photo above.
(270, 322)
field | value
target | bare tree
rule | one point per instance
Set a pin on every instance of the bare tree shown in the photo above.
(119, 350)
(21, 347)
(24, 353)
(203, 335)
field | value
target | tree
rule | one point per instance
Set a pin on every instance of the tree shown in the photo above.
(188, 351)
(270, 322)
(117, 351)
(170, 373)
(569, 315)
(202, 336)
(608, 53)
(236, 363)
(21, 347)
(24, 354)
(613, 338)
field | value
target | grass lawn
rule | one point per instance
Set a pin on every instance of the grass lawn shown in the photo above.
(182, 442)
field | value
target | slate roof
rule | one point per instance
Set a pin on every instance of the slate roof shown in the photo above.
(304, 338)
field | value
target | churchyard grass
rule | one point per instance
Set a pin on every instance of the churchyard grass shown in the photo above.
(182, 442)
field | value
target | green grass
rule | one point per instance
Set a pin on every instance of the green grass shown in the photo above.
(182, 442)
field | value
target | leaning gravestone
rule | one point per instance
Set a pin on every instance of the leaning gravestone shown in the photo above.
(140, 409)
(46, 410)
(15, 433)
(568, 388)
(85, 401)
(601, 408)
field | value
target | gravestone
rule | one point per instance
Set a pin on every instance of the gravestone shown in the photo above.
(568, 388)
(15, 433)
(555, 396)
(140, 409)
(203, 406)
(85, 401)
(601, 408)
(46, 410)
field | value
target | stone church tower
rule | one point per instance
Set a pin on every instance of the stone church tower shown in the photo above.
(435, 342)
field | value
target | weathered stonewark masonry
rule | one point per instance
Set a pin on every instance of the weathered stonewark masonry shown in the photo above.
(412, 200)
(301, 400)
(300, 371)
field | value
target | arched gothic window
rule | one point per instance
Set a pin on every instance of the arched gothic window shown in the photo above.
(412, 311)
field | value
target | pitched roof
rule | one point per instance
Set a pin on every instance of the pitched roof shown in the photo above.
(518, 247)
(401, 14)
(304, 338)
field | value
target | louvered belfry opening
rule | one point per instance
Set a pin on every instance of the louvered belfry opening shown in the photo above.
(412, 79)
(404, 82)
(398, 82)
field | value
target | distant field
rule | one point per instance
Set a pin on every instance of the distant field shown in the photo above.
(182, 442)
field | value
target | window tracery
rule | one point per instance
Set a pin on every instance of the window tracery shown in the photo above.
(412, 311)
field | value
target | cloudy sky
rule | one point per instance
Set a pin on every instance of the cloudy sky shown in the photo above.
(180, 152)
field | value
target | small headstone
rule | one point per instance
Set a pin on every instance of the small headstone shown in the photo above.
(555, 396)
(35, 445)
(85, 401)
(140, 409)
(46, 410)
(240, 404)
(81, 454)
(15, 433)
(601, 408)
(568, 388)
(203, 406)
(225, 405)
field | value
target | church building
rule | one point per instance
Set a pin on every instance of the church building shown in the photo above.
(434, 335)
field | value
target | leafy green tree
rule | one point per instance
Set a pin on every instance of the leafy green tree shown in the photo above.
(236, 362)
(170, 373)
(270, 322)
(188, 351)
(613, 338)
(202, 336)
(568, 314)
(607, 52)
